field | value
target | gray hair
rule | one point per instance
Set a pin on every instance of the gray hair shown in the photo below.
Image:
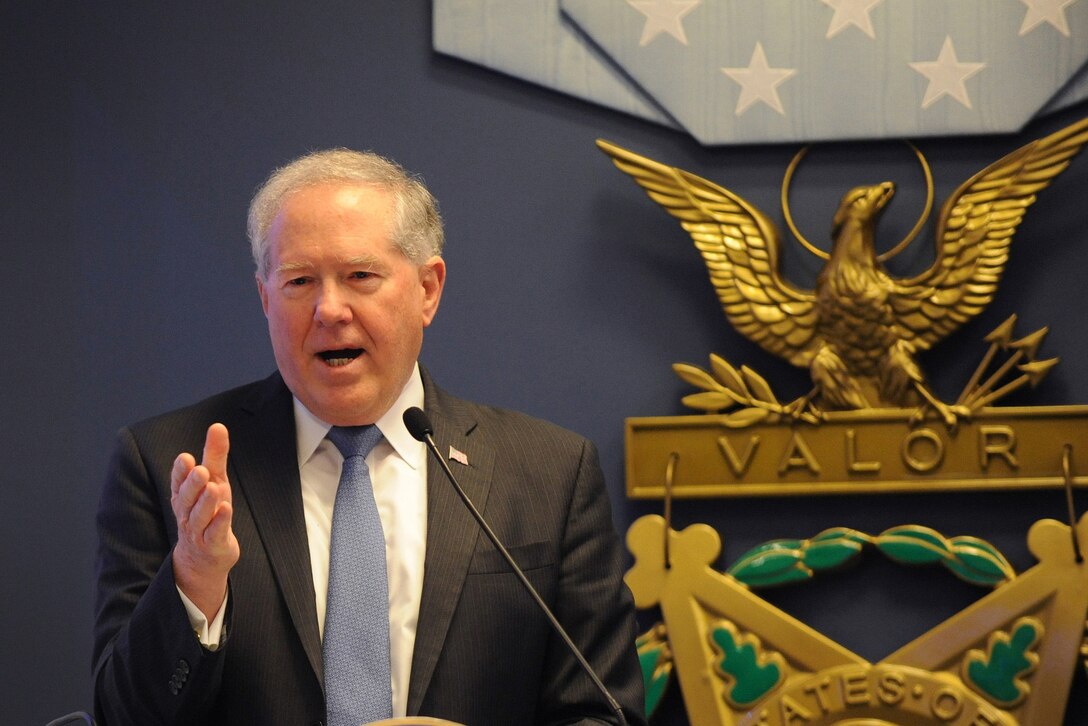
(417, 225)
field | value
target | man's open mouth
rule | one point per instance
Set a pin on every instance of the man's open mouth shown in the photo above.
(340, 357)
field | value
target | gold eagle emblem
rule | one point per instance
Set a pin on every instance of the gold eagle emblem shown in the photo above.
(859, 330)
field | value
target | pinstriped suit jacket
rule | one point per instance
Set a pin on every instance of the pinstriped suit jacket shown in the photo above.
(483, 654)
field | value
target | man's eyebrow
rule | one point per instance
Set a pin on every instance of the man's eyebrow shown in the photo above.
(361, 260)
(357, 261)
(293, 267)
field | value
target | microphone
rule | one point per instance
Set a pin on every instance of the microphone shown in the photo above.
(419, 426)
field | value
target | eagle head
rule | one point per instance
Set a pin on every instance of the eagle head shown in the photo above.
(863, 204)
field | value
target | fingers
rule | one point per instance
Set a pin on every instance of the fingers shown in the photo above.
(201, 499)
(185, 487)
(191, 484)
(188, 481)
(218, 533)
(183, 464)
(211, 498)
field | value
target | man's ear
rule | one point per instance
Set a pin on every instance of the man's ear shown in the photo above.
(432, 278)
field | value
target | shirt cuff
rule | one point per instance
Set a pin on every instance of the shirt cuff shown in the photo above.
(209, 634)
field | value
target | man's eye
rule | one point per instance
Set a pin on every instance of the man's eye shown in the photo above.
(297, 281)
(360, 275)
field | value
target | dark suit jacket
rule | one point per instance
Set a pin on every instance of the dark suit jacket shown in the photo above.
(483, 654)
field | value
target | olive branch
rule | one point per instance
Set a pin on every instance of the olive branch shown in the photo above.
(788, 560)
(724, 388)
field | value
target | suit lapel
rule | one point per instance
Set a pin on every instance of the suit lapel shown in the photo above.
(451, 530)
(264, 466)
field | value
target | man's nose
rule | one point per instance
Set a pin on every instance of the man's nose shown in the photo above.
(331, 306)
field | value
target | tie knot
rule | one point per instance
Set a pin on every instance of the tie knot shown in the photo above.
(354, 440)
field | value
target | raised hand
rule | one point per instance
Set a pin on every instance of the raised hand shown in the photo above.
(201, 499)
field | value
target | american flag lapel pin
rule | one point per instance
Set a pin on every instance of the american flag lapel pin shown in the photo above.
(459, 456)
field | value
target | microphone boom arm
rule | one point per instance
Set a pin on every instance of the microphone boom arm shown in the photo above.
(419, 426)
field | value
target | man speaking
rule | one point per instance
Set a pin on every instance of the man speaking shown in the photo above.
(282, 553)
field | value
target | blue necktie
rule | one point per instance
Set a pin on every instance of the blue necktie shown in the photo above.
(356, 640)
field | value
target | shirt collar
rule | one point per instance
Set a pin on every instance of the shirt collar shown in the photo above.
(310, 430)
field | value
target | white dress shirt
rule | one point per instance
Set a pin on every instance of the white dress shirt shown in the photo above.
(398, 471)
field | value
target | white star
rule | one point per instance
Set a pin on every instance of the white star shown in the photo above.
(947, 75)
(759, 82)
(851, 12)
(1046, 11)
(663, 16)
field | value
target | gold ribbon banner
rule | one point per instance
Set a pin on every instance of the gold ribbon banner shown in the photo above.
(867, 451)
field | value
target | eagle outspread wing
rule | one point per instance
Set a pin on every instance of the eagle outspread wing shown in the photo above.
(739, 245)
(974, 229)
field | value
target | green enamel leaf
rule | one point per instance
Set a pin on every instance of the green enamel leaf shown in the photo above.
(910, 551)
(656, 664)
(973, 576)
(836, 533)
(914, 531)
(831, 554)
(776, 545)
(763, 565)
(654, 678)
(996, 675)
(977, 546)
(781, 578)
(979, 543)
(978, 567)
(752, 680)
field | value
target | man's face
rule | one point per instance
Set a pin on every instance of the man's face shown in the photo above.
(346, 309)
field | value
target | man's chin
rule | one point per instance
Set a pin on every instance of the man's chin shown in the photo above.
(345, 407)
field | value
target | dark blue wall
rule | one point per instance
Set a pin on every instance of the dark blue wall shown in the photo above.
(133, 135)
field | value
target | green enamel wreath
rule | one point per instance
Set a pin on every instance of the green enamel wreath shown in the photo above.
(788, 560)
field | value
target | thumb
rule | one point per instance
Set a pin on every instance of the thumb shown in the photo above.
(216, 446)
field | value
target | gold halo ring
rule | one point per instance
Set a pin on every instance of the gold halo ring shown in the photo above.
(887, 255)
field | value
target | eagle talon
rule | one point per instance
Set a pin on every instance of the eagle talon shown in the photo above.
(951, 415)
(803, 408)
(796, 408)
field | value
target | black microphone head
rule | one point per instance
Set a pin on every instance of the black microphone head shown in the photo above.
(417, 423)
